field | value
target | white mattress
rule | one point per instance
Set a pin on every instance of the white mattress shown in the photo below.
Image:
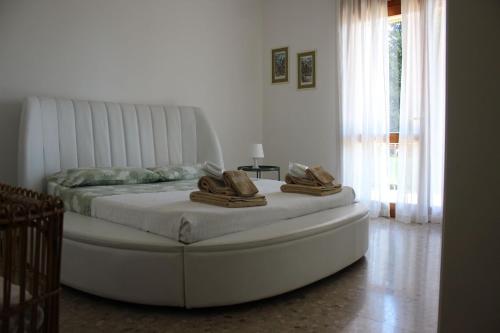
(173, 215)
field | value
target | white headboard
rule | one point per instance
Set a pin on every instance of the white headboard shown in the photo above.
(58, 134)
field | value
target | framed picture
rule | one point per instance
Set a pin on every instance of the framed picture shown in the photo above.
(306, 64)
(280, 65)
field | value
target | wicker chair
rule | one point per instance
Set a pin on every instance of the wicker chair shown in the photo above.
(30, 259)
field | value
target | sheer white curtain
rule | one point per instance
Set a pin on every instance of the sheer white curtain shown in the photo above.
(422, 115)
(364, 95)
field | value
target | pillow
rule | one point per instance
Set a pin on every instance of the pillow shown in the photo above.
(104, 176)
(179, 172)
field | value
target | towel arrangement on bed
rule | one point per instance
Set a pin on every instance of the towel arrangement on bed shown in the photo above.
(232, 189)
(312, 180)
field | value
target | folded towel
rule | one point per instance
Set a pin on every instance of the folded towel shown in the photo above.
(321, 175)
(228, 201)
(297, 169)
(241, 183)
(213, 170)
(214, 185)
(311, 190)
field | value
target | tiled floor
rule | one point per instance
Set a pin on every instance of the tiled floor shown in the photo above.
(393, 289)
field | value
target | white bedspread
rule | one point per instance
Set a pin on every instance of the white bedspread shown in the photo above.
(173, 215)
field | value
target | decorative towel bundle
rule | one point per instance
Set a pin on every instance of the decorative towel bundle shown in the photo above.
(233, 189)
(310, 180)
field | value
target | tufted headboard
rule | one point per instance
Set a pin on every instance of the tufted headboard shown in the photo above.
(58, 134)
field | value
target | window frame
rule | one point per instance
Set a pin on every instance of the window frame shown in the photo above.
(393, 7)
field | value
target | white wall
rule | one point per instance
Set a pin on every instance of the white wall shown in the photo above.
(470, 276)
(301, 125)
(186, 52)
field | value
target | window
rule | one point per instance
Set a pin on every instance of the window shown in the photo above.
(395, 62)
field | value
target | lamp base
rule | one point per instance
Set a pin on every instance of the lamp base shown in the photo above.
(256, 163)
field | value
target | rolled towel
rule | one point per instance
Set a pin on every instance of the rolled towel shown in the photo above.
(240, 182)
(213, 170)
(321, 175)
(213, 185)
(297, 169)
(289, 179)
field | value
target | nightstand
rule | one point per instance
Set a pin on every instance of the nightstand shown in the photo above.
(262, 168)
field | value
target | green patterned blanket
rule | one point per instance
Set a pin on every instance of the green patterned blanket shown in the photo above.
(79, 199)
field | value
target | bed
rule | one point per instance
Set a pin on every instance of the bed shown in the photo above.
(111, 254)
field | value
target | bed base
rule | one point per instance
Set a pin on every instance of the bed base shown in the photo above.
(121, 263)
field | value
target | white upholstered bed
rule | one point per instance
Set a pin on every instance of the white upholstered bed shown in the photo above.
(128, 264)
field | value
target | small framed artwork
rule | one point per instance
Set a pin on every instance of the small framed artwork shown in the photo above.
(306, 64)
(280, 65)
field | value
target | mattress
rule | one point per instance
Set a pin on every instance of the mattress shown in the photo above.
(165, 208)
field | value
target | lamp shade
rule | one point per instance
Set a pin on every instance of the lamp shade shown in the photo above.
(257, 150)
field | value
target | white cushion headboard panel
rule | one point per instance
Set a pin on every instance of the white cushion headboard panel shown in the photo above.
(58, 134)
